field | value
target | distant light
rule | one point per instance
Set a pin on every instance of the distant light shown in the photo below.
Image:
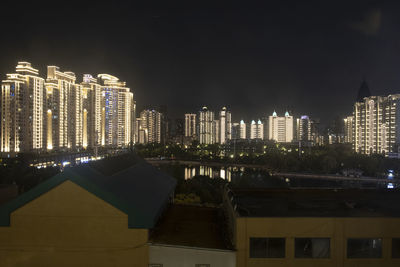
(390, 186)
(304, 117)
(65, 163)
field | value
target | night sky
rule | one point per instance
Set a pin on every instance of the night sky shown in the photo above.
(307, 57)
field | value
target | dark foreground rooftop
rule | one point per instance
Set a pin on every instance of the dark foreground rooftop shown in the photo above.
(126, 182)
(193, 226)
(316, 202)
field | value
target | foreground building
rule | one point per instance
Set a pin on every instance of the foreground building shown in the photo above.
(86, 216)
(376, 121)
(309, 227)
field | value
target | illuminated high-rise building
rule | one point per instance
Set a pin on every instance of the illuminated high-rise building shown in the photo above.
(225, 126)
(150, 126)
(93, 105)
(348, 129)
(256, 130)
(281, 128)
(64, 106)
(22, 99)
(376, 121)
(304, 130)
(117, 122)
(206, 126)
(190, 125)
(216, 131)
(242, 127)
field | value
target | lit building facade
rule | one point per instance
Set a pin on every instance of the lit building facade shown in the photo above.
(150, 126)
(117, 111)
(376, 122)
(281, 128)
(225, 126)
(58, 114)
(242, 126)
(22, 97)
(190, 125)
(206, 126)
(348, 129)
(304, 130)
(256, 130)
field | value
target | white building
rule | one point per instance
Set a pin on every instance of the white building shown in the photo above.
(206, 126)
(281, 128)
(242, 130)
(256, 130)
(376, 122)
(225, 125)
(190, 125)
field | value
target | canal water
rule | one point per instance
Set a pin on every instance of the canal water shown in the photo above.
(253, 177)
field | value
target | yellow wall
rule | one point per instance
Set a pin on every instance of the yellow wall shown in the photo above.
(338, 229)
(68, 226)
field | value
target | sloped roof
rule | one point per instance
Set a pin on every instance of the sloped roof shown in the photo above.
(141, 191)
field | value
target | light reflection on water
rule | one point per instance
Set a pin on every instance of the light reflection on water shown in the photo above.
(262, 178)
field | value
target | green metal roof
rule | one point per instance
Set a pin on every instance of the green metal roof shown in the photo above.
(141, 191)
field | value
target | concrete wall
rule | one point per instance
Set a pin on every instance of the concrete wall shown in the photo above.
(180, 256)
(338, 229)
(68, 226)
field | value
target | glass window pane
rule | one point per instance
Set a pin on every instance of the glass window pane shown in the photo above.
(312, 247)
(364, 248)
(396, 248)
(267, 247)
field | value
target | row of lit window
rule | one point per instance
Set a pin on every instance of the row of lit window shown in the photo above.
(320, 248)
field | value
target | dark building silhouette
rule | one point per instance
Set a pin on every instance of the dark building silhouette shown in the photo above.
(363, 91)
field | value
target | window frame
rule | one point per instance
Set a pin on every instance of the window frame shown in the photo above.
(251, 256)
(364, 257)
(312, 238)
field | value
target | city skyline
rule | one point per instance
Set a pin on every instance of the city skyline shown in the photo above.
(179, 56)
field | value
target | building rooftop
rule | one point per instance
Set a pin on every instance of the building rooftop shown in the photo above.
(193, 226)
(315, 202)
(8, 192)
(126, 182)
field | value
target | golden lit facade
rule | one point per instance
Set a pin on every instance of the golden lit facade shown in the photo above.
(150, 126)
(22, 96)
(348, 129)
(59, 114)
(117, 111)
(64, 102)
(206, 126)
(93, 104)
(375, 124)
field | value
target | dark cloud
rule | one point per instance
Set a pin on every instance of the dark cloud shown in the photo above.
(370, 24)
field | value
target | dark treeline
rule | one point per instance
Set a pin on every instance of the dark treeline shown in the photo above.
(329, 159)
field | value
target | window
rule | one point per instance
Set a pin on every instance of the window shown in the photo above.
(396, 248)
(312, 247)
(202, 265)
(267, 247)
(364, 248)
